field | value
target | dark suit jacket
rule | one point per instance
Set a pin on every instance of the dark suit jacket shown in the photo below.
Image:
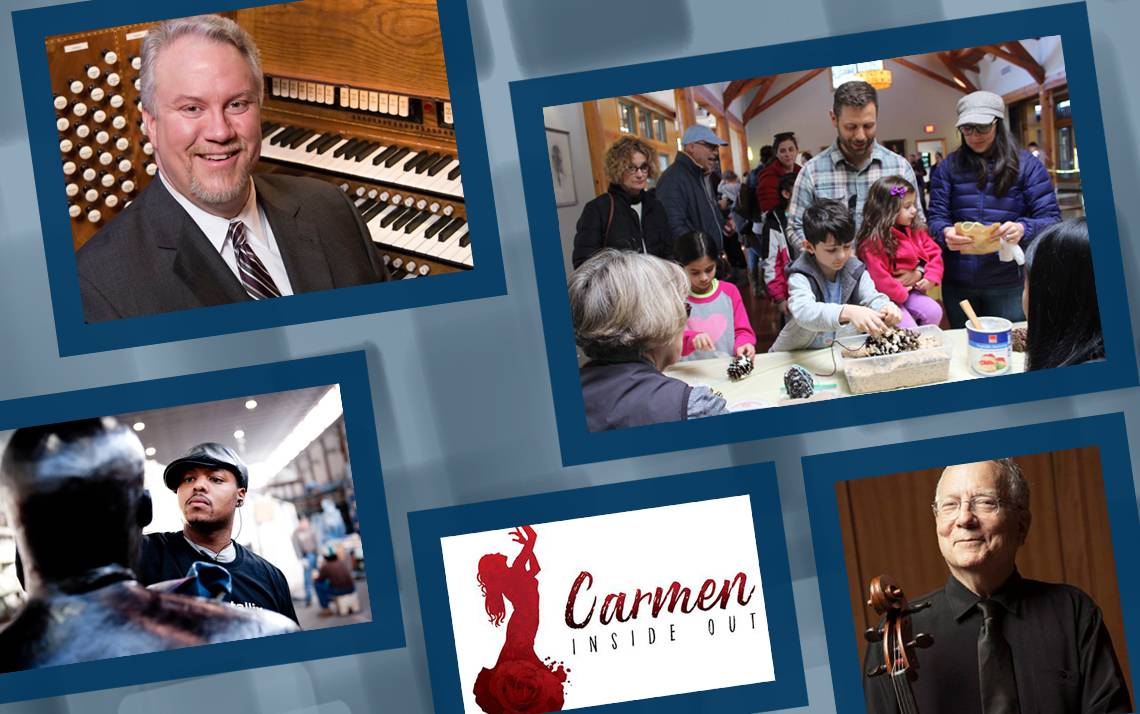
(152, 258)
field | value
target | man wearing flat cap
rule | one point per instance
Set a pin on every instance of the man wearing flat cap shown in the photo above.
(685, 191)
(210, 481)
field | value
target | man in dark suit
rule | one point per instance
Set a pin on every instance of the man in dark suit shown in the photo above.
(205, 231)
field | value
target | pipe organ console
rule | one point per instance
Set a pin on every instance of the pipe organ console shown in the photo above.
(355, 94)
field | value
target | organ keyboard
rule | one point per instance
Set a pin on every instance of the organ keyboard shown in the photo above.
(355, 94)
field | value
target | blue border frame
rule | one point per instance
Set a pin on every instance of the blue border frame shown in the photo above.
(385, 631)
(74, 336)
(756, 481)
(821, 473)
(578, 445)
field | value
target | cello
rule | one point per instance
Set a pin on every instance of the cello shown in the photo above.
(899, 644)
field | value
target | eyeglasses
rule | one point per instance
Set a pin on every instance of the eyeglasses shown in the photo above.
(643, 169)
(972, 129)
(948, 508)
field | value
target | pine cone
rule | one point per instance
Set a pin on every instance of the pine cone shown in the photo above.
(739, 368)
(799, 383)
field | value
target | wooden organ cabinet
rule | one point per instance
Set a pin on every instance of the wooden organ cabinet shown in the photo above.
(355, 94)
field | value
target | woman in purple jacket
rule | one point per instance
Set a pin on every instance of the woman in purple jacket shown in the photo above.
(988, 179)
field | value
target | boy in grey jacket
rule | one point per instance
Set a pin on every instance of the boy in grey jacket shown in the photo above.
(829, 289)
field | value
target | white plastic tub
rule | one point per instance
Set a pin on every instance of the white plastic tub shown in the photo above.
(907, 369)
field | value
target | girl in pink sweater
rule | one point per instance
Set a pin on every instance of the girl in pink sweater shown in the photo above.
(901, 257)
(718, 322)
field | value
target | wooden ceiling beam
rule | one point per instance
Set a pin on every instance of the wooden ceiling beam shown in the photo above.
(754, 110)
(915, 67)
(956, 71)
(738, 87)
(1031, 66)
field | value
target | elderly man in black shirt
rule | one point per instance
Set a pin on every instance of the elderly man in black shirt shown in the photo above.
(1002, 643)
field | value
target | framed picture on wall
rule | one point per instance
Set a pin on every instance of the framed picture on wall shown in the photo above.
(561, 168)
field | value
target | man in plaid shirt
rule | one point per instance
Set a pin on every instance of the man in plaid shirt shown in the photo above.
(847, 168)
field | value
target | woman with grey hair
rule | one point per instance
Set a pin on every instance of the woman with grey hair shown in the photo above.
(629, 314)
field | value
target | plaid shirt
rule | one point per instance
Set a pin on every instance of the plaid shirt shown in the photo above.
(830, 175)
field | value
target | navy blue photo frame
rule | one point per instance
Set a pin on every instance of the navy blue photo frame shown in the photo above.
(385, 631)
(822, 473)
(74, 336)
(758, 482)
(579, 445)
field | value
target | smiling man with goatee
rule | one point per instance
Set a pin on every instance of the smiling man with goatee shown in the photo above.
(210, 481)
(206, 230)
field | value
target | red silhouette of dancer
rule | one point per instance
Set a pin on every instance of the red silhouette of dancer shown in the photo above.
(519, 683)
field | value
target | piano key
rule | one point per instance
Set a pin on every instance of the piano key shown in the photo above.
(429, 160)
(435, 227)
(344, 148)
(417, 221)
(400, 153)
(302, 138)
(365, 159)
(456, 224)
(444, 160)
(390, 217)
(454, 172)
(403, 220)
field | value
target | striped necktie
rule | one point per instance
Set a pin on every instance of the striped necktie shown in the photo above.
(254, 277)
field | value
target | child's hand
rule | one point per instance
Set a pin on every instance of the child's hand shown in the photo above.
(863, 318)
(747, 350)
(891, 314)
(923, 285)
(908, 278)
(703, 343)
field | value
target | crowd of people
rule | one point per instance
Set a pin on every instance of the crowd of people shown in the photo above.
(850, 240)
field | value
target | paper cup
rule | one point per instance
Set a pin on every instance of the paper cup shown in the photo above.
(988, 349)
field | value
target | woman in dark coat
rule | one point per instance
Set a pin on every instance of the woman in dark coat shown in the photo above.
(988, 179)
(627, 216)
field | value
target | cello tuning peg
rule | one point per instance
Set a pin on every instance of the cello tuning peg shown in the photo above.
(877, 670)
(893, 590)
(921, 640)
(915, 607)
(873, 634)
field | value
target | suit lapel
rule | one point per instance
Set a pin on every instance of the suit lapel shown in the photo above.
(192, 258)
(297, 239)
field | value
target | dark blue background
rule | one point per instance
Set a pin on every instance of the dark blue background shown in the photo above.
(461, 392)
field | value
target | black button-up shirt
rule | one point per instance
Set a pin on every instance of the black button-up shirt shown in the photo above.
(1062, 655)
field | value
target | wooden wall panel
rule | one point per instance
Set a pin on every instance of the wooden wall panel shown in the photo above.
(394, 45)
(887, 527)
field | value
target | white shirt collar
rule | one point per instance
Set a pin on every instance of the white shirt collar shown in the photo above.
(217, 228)
(225, 555)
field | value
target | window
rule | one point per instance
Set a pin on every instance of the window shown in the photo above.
(645, 128)
(626, 115)
(659, 128)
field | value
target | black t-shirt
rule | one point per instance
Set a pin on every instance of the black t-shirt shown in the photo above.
(1063, 659)
(256, 582)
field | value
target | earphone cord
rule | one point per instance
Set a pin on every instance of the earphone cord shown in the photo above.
(834, 363)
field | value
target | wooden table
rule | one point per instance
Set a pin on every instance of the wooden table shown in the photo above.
(765, 386)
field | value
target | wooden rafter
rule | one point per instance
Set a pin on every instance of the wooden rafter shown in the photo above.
(1031, 66)
(753, 111)
(758, 98)
(957, 71)
(739, 87)
(913, 66)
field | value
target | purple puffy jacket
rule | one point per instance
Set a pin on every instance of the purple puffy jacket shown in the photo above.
(955, 197)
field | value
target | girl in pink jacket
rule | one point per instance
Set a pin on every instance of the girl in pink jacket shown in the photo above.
(901, 257)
